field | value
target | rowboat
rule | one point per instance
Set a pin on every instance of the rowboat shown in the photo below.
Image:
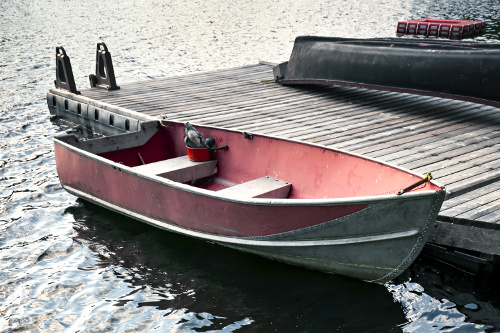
(295, 202)
(461, 70)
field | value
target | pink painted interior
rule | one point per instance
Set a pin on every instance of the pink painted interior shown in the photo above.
(314, 172)
(188, 209)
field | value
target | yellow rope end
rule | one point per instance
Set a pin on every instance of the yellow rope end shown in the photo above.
(428, 177)
(163, 117)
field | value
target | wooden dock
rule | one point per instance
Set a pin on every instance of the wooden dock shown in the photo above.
(459, 142)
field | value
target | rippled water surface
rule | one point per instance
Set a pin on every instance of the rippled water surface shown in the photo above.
(67, 265)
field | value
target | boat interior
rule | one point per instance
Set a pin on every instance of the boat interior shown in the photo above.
(252, 166)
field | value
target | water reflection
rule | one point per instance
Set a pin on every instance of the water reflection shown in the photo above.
(199, 284)
(436, 296)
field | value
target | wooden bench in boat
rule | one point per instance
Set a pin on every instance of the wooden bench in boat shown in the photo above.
(265, 187)
(180, 169)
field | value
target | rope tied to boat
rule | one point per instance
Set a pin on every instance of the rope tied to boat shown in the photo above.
(162, 118)
(427, 178)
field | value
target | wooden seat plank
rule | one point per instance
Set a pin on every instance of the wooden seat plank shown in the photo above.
(180, 169)
(265, 187)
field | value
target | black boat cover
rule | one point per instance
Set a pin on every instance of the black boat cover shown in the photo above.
(461, 70)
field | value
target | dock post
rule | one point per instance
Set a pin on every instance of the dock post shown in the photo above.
(104, 73)
(64, 73)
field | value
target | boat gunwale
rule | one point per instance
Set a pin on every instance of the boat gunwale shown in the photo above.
(263, 201)
(261, 241)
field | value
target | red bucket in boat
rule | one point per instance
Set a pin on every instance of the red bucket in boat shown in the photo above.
(198, 154)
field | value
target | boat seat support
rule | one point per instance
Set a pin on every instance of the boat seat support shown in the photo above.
(265, 187)
(180, 169)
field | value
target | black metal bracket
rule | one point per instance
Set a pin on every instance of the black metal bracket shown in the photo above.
(247, 135)
(219, 148)
(104, 73)
(279, 71)
(64, 73)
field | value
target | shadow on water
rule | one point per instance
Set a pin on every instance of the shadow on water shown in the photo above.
(208, 278)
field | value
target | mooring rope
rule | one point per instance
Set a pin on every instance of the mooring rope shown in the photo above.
(426, 179)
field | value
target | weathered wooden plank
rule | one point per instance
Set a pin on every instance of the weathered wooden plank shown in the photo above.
(446, 114)
(474, 238)
(465, 183)
(454, 160)
(476, 171)
(468, 126)
(411, 134)
(175, 93)
(471, 207)
(293, 108)
(234, 74)
(240, 110)
(418, 118)
(250, 118)
(464, 199)
(341, 126)
(144, 102)
(482, 208)
(233, 100)
(179, 169)
(405, 139)
(493, 217)
(320, 116)
(475, 153)
(345, 115)
(265, 187)
(232, 108)
(451, 140)
(180, 96)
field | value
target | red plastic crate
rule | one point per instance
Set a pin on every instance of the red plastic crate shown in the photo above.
(454, 29)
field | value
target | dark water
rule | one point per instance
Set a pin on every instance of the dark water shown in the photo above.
(69, 266)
